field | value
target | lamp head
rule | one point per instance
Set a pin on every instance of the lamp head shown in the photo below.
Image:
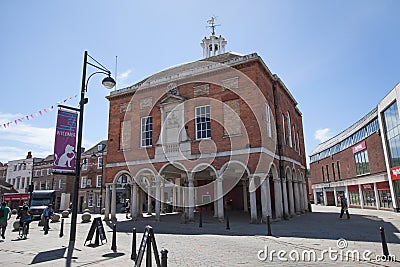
(108, 82)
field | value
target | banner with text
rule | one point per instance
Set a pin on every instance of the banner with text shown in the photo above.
(65, 142)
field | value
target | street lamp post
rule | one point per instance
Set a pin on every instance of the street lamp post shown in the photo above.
(109, 83)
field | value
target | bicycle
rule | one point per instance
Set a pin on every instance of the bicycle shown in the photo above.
(24, 229)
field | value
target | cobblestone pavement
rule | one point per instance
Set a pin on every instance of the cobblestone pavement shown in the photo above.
(293, 243)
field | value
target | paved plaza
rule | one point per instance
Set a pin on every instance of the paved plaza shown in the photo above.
(310, 239)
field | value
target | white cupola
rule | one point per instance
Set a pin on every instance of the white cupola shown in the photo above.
(213, 45)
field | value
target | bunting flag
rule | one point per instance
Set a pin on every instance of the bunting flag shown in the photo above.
(34, 115)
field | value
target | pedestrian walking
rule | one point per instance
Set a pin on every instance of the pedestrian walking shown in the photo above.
(127, 208)
(344, 207)
(5, 215)
(47, 213)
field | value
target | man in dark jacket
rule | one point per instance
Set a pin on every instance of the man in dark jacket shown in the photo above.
(344, 207)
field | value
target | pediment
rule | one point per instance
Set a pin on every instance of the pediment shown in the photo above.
(170, 99)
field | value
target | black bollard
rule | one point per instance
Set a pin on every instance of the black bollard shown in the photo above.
(148, 252)
(200, 221)
(384, 244)
(269, 226)
(133, 254)
(227, 223)
(62, 228)
(114, 239)
(164, 257)
(97, 240)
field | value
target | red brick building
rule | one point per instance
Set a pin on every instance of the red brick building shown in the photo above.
(356, 162)
(222, 133)
(44, 179)
(91, 180)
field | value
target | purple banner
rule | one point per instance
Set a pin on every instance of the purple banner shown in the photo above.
(65, 142)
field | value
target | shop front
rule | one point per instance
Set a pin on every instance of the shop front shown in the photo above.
(368, 195)
(384, 195)
(354, 195)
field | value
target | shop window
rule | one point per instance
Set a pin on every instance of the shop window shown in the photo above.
(354, 198)
(385, 199)
(362, 162)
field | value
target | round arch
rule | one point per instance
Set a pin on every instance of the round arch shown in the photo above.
(223, 168)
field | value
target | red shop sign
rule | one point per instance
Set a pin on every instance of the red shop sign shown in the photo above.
(367, 187)
(352, 188)
(359, 147)
(395, 173)
(383, 185)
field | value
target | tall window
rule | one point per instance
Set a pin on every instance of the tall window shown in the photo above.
(323, 174)
(90, 200)
(203, 122)
(147, 131)
(362, 163)
(338, 170)
(283, 129)
(60, 184)
(268, 119)
(98, 201)
(84, 164)
(99, 162)
(327, 172)
(333, 171)
(392, 127)
(83, 182)
(98, 181)
(289, 130)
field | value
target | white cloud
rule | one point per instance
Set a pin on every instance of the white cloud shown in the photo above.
(17, 140)
(323, 134)
(122, 78)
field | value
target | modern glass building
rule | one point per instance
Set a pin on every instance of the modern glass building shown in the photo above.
(362, 162)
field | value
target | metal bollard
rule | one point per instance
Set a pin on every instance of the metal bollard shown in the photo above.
(148, 252)
(384, 244)
(164, 257)
(114, 238)
(227, 223)
(269, 226)
(62, 228)
(133, 254)
(200, 221)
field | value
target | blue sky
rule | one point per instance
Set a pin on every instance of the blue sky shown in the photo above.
(338, 58)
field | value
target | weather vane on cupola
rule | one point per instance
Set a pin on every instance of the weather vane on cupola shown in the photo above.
(212, 24)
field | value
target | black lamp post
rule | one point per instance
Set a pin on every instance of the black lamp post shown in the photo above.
(109, 83)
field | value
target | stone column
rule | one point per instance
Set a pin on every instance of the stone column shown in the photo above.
(378, 204)
(325, 198)
(114, 202)
(305, 196)
(335, 196)
(162, 184)
(107, 203)
(220, 196)
(253, 200)
(149, 206)
(158, 197)
(265, 199)
(285, 197)
(215, 199)
(278, 197)
(361, 196)
(315, 196)
(291, 197)
(296, 196)
(191, 197)
(301, 199)
(134, 201)
(174, 198)
(245, 201)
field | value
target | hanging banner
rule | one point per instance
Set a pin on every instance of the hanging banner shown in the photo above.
(65, 142)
